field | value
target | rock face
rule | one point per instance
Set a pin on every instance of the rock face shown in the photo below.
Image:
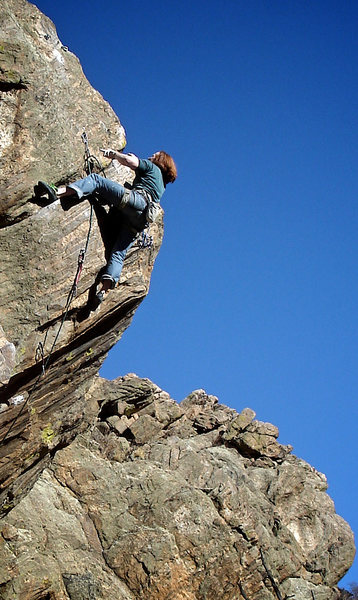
(160, 500)
(41, 132)
(112, 489)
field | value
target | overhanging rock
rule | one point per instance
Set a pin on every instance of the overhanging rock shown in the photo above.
(41, 138)
(112, 489)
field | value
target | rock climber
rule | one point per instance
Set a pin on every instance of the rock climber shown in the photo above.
(151, 178)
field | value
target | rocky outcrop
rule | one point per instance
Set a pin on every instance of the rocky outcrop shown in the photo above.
(45, 102)
(160, 500)
(112, 489)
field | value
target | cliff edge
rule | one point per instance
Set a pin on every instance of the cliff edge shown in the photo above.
(112, 489)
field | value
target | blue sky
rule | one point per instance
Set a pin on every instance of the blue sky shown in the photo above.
(254, 293)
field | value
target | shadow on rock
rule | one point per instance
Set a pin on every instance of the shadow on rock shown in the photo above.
(41, 201)
(68, 201)
(92, 303)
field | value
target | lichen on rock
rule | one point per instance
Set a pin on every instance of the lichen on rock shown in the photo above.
(111, 489)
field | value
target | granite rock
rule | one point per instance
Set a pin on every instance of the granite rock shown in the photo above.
(111, 489)
(149, 514)
(41, 138)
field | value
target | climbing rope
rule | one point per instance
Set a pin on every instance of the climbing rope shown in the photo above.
(146, 241)
(90, 162)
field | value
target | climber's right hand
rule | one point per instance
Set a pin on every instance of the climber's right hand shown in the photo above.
(108, 153)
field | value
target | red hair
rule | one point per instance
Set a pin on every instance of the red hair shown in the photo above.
(167, 166)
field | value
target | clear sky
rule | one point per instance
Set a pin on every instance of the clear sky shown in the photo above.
(254, 293)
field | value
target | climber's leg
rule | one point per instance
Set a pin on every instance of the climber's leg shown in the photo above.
(134, 208)
(100, 296)
(109, 191)
(121, 246)
(114, 266)
(64, 191)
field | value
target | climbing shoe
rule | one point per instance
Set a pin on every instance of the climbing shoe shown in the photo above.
(100, 296)
(43, 188)
(97, 300)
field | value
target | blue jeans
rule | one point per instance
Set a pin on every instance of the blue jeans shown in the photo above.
(131, 210)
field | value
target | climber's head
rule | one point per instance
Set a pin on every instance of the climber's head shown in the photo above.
(166, 164)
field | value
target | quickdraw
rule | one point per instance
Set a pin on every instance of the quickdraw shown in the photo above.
(81, 260)
(40, 356)
(146, 240)
(91, 161)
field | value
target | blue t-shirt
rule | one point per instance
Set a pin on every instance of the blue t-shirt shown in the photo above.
(149, 177)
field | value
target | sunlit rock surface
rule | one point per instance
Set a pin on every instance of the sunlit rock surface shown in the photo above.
(154, 501)
(112, 489)
(44, 100)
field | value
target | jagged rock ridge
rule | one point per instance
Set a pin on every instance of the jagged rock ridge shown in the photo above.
(160, 500)
(112, 489)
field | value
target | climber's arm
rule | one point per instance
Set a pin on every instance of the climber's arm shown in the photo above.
(128, 160)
